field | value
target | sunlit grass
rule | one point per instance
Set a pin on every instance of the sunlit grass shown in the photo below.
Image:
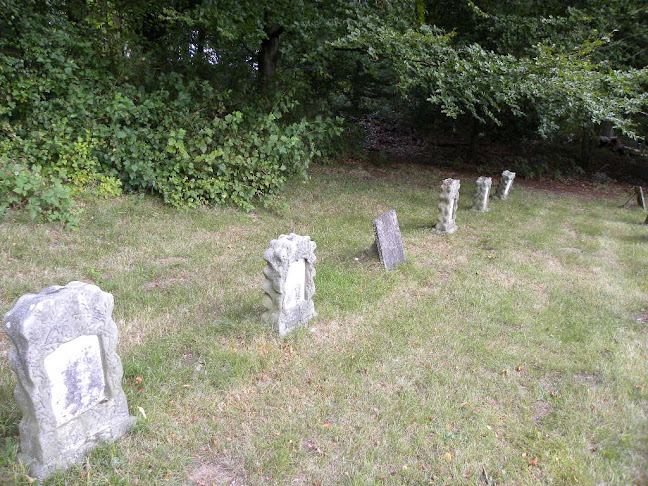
(507, 353)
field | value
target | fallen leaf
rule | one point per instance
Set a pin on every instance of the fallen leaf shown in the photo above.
(229, 246)
(533, 462)
(141, 410)
(138, 379)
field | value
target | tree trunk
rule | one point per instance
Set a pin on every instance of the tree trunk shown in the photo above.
(269, 53)
(473, 128)
(607, 129)
(586, 147)
(76, 10)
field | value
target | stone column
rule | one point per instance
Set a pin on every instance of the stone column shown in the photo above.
(448, 206)
(289, 285)
(483, 186)
(504, 186)
(69, 375)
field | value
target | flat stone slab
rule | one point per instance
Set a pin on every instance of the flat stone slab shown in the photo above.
(641, 199)
(69, 375)
(389, 242)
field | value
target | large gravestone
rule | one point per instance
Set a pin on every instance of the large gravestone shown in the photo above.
(448, 206)
(69, 375)
(289, 285)
(505, 185)
(388, 243)
(482, 190)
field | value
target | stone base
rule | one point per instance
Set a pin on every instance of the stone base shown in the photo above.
(67, 458)
(448, 230)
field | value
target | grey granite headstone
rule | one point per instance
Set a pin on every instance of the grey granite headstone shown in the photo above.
(69, 375)
(482, 190)
(289, 282)
(388, 243)
(641, 200)
(448, 206)
(505, 185)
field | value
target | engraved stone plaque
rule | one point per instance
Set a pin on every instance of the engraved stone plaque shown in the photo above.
(388, 240)
(289, 282)
(75, 372)
(295, 286)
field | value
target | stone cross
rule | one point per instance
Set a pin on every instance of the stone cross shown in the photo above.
(289, 282)
(483, 186)
(69, 375)
(448, 206)
(388, 243)
(504, 186)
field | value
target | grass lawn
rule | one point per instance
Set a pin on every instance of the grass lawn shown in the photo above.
(512, 352)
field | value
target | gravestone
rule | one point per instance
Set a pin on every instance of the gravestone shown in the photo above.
(289, 285)
(448, 206)
(69, 375)
(504, 186)
(483, 186)
(638, 196)
(388, 243)
(641, 200)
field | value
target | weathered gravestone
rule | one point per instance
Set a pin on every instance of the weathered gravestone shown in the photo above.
(483, 186)
(504, 186)
(388, 243)
(69, 375)
(289, 285)
(641, 200)
(448, 206)
(638, 195)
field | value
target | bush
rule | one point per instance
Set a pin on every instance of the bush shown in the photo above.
(71, 128)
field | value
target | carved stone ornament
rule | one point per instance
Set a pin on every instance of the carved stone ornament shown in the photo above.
(448, 206)
(289, 285)
(505, 185)
(482, 191)
(69, 375)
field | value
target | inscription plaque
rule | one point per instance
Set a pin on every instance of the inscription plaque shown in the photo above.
(295, 285)
(76, 374)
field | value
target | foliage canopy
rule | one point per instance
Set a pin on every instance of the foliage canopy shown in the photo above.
(221, 101)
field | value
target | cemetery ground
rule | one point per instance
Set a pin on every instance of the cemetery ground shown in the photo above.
(511, 352)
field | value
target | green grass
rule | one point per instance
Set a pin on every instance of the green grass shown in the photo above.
(508, 353)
